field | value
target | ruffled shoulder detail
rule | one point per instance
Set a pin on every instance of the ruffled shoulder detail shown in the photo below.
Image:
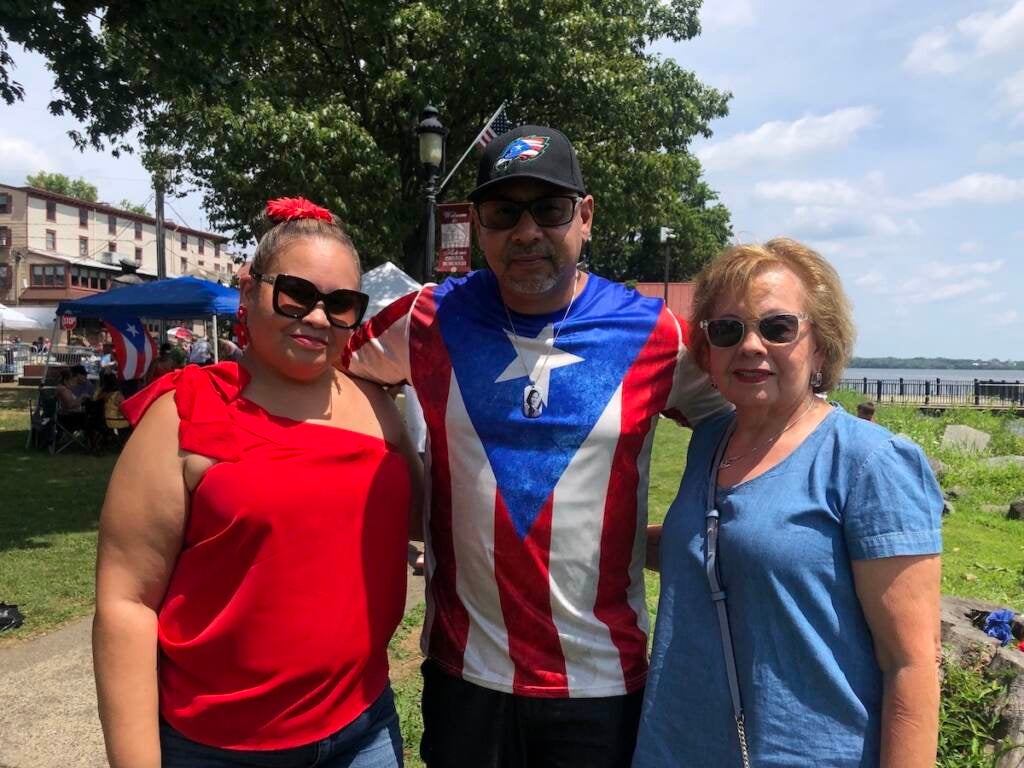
(202, 395)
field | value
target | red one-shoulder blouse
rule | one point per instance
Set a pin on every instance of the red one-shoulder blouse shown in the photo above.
(291, 578)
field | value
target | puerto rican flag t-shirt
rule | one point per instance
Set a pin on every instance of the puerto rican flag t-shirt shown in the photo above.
(536, 524)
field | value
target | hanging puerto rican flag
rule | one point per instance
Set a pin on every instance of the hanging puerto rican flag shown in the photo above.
(134, 348)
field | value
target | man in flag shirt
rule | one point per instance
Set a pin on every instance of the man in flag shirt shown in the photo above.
(540, 385)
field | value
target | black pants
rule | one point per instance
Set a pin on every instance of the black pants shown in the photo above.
(468, 726)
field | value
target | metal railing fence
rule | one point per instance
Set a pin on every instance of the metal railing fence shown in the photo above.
(936, 391)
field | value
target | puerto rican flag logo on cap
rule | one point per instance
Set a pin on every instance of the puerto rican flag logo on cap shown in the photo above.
(525, 148)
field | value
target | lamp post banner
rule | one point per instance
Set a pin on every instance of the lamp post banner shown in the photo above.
(453, 257)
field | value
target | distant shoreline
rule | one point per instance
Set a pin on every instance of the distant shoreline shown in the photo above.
(934, 364)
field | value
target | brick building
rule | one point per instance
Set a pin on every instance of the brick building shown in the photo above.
(54, 247)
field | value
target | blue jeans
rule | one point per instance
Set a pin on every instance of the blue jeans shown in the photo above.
(372, 740)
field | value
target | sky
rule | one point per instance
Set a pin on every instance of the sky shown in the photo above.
(889, 136)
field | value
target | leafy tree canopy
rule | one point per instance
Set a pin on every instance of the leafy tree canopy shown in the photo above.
(62, 185)
(128, 205)
(249, 99)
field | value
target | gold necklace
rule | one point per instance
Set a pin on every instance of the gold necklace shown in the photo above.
(727, 462)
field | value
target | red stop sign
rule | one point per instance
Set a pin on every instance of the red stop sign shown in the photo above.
(68, 322)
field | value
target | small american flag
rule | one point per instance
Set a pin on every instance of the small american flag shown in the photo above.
(498, 125)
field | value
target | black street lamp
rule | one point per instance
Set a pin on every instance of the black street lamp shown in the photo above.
(431, 133)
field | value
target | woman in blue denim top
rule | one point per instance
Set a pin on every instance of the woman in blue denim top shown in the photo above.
(826, 561)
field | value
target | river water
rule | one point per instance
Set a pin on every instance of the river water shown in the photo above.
(921, 374)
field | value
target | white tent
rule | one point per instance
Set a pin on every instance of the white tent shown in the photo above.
(13, 320)
(384, 284)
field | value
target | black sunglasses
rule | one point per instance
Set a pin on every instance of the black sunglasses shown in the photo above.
(552, 211)
(782, 328)
(295, 297)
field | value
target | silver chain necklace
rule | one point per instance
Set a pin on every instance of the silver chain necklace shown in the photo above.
(534, 401)
(728, 462)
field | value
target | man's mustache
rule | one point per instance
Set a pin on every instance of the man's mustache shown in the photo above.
(532, 251)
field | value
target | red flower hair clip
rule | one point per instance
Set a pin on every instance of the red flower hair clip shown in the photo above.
(292, 208)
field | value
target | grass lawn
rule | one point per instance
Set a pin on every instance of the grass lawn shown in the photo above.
(50, 506)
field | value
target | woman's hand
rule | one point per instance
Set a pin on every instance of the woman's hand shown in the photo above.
(141, 530)
(900, 599)
(653, 561)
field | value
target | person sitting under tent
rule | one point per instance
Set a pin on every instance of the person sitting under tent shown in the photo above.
(201, 352)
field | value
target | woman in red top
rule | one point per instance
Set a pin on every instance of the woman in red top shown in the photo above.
(251, 565)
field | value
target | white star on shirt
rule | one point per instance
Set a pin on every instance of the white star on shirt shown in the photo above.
(131, 329)
(530, 362)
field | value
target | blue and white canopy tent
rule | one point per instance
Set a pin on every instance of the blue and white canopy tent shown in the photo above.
(179, 298)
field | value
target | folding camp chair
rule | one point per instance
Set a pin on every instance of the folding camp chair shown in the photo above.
(52, 428)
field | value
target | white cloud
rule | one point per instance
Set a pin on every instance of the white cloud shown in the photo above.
(984, 188)
(999, 153)
(931, 54)
(779, 140)
(1012, 92)
(820, 191)
(945, 51)
(970, 246)
(947, 291)
(934, 270)
(994, 33)
(839, 223)
(873, 281)
(19, 157)
(721, 14)
(992, 298)
(936, 281)
(1009, 317)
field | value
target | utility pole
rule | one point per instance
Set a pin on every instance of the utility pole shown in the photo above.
(161, 245)
(161, 238)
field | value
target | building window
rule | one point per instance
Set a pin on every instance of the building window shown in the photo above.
(138, 230)
(112, 246)
(51, 210)
(5, 203)
(138, 255)
(183, 263)
(103, 283)
(5, 237)
(202, 245)
(184, 242)
(83, 247)
(216, 250)
(51, 240)
(94, 279)
(201, 263)
(111, 224)
(47, 276)
(83, 217)
(5, 275)
(74, 277)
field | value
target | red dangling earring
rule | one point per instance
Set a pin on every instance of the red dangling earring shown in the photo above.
(241, 328)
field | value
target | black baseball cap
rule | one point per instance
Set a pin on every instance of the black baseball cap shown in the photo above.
(529, 152)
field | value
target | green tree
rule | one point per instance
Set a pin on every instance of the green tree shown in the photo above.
(249, 99)
(63, 185)
(128, 205)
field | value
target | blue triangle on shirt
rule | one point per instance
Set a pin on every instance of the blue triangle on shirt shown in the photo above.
(607, 327)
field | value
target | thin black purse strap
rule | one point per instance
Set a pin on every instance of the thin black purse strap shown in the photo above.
(711, 520)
